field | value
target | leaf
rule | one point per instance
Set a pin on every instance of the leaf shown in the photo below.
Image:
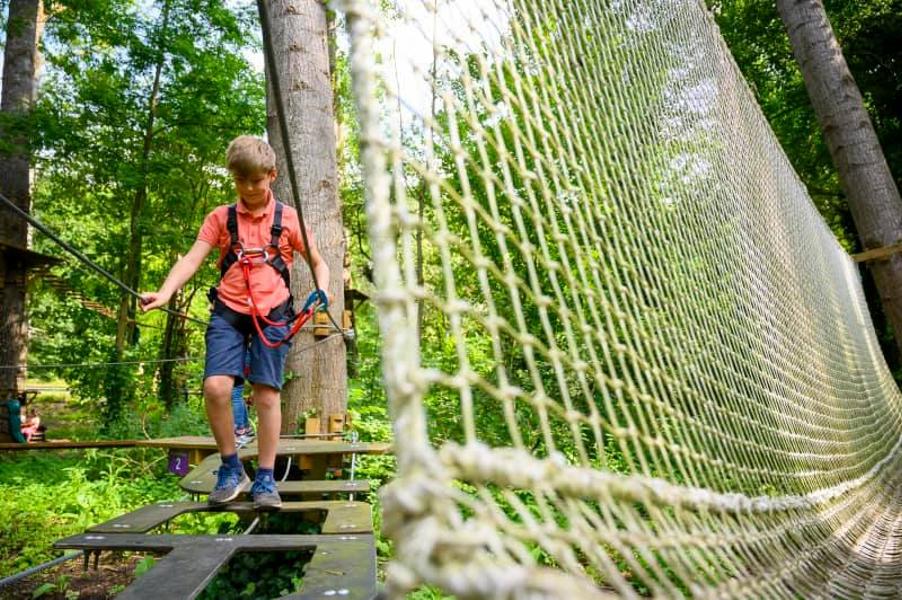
(42, 589)
(144, 565)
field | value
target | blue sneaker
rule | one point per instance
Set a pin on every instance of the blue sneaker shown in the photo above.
(229, 483)
(265, 494)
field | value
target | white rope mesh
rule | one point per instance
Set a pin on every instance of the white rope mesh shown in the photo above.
(645, 366)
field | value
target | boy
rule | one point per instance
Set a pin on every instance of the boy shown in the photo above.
(252, 163)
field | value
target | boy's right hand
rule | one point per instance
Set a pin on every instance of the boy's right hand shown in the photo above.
(152, 300)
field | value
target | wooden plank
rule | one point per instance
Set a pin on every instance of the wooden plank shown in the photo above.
(287, 446)
(346, 569)
(322, 325)
(183, 573)
(342, 517)
(877, 253)
(202, 479)
(340, 562)
(29, 258)
(185, 442)
(311, 425)
(347, 517)
(66, 445)
(288, 488)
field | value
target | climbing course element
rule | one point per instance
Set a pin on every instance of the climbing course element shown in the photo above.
(589, 245)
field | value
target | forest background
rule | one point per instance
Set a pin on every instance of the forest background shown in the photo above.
(133, 198)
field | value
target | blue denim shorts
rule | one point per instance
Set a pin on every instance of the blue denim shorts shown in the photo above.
(227, 346)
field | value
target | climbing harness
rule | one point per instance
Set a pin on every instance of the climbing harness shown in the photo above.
(248, 258)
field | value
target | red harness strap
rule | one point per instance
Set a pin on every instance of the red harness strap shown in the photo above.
(299, 319)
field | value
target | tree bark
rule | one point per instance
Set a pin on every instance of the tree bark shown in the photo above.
(316, 376)
(20, 64)
(863, 171)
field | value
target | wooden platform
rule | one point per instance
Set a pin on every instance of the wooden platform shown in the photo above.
(208, 444)
(202, 479)
(318, 487)
(341, 516)
(343, 566)
(196, 448)
(287, 446)
(67, 445)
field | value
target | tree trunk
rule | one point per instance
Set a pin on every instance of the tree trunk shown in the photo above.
(20, 63)
(316, 378)
(168, 393)
(863, 172)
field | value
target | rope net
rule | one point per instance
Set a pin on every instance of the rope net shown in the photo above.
(624, 353)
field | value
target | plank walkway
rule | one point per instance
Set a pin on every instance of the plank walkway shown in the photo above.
(342, 565)
(343, 562)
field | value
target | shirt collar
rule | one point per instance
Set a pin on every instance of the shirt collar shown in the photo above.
(267, 209)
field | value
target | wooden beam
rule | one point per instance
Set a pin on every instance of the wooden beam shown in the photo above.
(29, 258)
(877, 253)
(65, 445)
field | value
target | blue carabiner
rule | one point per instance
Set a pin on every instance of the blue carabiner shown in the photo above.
(313, 297)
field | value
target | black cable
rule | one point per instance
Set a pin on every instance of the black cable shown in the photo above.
(286, 143)
(77, 254)
(50, 563)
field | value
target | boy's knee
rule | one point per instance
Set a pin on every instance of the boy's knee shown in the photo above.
(265, 397)
(218, 388)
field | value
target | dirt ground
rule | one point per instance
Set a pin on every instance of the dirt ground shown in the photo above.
(71, 582)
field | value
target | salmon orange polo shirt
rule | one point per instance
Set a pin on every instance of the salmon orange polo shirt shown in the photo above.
(254, 232)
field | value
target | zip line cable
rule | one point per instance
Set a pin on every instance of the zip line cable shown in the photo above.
(77, 254)
(289, 155)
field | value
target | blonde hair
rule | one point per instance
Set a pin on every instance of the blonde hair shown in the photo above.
(249, 155)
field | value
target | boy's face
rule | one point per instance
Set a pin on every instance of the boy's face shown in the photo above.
(253, 188)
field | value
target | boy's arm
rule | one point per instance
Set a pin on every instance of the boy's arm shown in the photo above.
(183, 270)
(320, 268)
(317, 263)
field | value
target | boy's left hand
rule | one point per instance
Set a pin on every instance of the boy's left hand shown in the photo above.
(317, 296)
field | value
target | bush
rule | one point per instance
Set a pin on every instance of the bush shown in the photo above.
(44, 498)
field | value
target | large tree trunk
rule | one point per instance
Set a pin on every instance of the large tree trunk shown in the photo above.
(317, 376)
(863, 172)
(20, 63)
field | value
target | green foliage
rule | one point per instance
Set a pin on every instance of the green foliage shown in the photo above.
(144, 565)
(47, 497)
(126, 171)
(258, 575)
(868, 33)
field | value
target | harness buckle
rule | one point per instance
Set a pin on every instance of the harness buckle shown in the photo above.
(246, 254)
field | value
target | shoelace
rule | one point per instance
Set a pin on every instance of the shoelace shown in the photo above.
(222, 476)
(264, 485)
